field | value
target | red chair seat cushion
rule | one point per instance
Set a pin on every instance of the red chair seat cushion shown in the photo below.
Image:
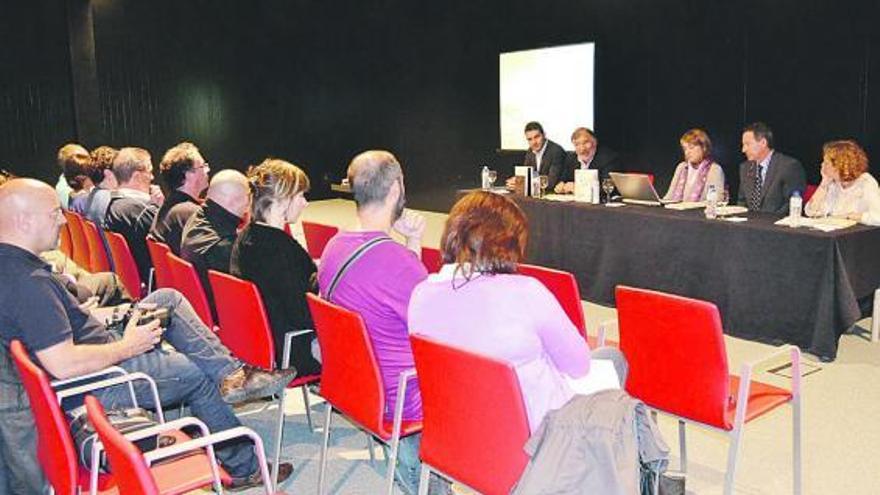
(407, 428)
(303, 380)
(763, 398)
(177, 475)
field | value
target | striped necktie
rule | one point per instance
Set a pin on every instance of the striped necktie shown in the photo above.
(755, 198)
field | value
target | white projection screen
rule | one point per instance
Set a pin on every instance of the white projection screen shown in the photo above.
(553, 86)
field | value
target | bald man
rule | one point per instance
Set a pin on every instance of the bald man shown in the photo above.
(68, 341)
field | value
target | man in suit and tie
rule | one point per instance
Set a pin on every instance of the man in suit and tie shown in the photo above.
(543, 155)
(587, 155)
(767, 177)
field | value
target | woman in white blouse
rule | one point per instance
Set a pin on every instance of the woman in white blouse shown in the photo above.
(847, 189)
(697, 172)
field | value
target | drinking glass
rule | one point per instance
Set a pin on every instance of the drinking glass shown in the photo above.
(493, 176)
(724, 197)
(608, 187)
(542, 182)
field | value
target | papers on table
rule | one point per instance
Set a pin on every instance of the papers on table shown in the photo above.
(686, 205)
(734, 219)
(559, 197)
(602, 376)
(827, 224)
(731, 210)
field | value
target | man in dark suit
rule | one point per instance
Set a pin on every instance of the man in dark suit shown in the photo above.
(767, 178)
(587, 155)
(543, 155)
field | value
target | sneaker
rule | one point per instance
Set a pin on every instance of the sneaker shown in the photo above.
(285, 469)
(248, 383)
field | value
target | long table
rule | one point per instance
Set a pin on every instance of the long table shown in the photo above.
(771, 283)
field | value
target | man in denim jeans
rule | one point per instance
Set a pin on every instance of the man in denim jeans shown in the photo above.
(69, 341)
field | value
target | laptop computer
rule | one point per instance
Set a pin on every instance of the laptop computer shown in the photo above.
(637, 189)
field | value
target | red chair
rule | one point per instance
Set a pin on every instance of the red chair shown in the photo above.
(474, 430)
(565, 288)
(432, 259)
(78, 239)
(55, 447)
(65, 244)
(809, 192)
(352, 385)
(136, 473)
(186, 280)
(161, 271)
(124, 264)
(98, 259)
(245, 329)
(678, 365)
(317, 235)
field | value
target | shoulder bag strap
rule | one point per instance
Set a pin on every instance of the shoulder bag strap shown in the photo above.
(356, 255)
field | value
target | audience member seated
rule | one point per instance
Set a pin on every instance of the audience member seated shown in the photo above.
(134, 204)
(208, 234)
(185, 173)
(101, 173)
(847, 189)
(379, 283)
(697, 172)
(275, 262)
(587, 155)
(68, 341)
(75, 165)
(65, 154)
(478, 302)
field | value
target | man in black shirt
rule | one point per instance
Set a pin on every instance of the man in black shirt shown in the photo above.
(209, 233)
(134, 205)
(185, 173)
(68, 341)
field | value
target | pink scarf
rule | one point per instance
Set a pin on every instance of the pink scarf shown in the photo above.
(697, 191)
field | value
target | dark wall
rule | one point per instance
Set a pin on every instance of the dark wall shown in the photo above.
(316, 83)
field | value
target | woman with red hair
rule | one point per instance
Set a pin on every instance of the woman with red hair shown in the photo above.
(847, 189)
(478, 302)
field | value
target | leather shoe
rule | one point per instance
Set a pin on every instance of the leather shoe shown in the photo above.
(248, 383)
(285, 469)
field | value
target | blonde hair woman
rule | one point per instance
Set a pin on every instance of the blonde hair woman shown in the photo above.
(264, 254)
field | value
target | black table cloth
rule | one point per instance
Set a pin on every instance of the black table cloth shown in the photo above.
(771, 283)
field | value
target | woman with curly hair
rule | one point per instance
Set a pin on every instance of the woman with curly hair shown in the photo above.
(283, 271)
(847, 189)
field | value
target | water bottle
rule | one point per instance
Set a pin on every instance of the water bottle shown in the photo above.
(484, 175)
(795, 208)
(711, 202)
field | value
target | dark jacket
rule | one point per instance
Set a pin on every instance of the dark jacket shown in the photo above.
(605, 161)
(284, 273)
(552, 163)
(132, 217)
(784, 175)
(172, 216)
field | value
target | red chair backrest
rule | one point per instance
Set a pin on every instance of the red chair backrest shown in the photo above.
(65, 244)
(317, 235)
(78, 239)
(244, 325)
(350, 378)
(130, 470)
(159, 252)
(186, 280)
(564, 286)
(809, 192)
(676, 354)
(97, 253)
(55, 448)
(432, 259)
(474, 420)
(123, 263)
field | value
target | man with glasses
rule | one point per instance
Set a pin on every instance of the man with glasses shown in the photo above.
(185, 173)
(134, 205)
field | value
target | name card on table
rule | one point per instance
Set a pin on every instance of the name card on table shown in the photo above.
(586, 184)
(522, 180)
